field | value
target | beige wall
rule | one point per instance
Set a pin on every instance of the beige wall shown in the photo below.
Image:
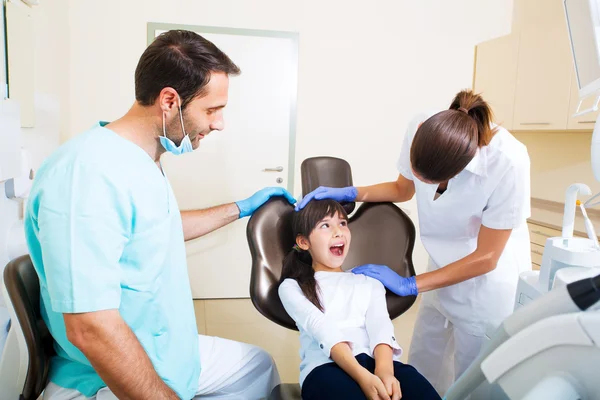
(365, 67)
(558, 159)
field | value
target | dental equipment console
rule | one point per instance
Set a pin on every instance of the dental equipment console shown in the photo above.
(565, 258)
(549, 348)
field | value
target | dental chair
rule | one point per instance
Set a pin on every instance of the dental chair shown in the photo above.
(381, 234)
(24, 373)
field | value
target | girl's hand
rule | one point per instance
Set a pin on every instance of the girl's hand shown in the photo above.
(373, 387)
(391, 385)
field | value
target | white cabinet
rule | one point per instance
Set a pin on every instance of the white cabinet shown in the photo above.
(10, 140)
(544, 67)
(496, 74)
(528, 76)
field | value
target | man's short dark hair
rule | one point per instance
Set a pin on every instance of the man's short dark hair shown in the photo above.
(182, 60)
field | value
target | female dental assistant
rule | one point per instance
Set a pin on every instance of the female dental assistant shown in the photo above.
(472, 186)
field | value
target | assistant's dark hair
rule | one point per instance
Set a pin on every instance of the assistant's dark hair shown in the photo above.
(298, 263)
(182, 60)
(445, 143)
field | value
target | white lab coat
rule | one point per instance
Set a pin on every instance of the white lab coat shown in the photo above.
(493, 191)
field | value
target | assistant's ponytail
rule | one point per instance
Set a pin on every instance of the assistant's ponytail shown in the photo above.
(447, 142)
(475, 107)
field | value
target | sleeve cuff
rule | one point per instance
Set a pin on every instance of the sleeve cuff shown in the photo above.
(390, 340)
(108, 302)
(507, 224)
(405, 172)
(327, 345)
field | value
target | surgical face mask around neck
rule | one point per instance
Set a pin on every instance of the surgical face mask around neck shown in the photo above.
(185, 146)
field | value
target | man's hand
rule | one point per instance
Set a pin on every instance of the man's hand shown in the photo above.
(250, 205)
(116, 354)
(372, 386)
(197, 223)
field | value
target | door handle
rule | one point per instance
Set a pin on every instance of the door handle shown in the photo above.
(276, 169)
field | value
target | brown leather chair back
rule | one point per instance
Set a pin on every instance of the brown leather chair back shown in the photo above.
(381, 234)
(23, 289)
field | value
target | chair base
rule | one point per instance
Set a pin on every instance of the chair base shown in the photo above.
(286, 391)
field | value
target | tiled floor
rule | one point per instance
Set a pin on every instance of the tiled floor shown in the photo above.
(237, 319)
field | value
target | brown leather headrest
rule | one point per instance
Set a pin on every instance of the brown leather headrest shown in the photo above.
(326, 171)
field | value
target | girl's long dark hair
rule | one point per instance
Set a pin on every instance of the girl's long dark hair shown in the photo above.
(298, 263)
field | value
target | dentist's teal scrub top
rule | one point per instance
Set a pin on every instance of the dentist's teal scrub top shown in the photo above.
(104, 232)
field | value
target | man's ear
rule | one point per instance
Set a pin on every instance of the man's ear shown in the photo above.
(302, 242)
(168, 99)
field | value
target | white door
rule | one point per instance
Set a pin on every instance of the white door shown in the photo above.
(230, 165)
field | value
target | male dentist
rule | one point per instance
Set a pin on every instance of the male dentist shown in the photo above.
(107, 240)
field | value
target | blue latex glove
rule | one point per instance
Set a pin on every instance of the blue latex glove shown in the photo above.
(250, 205)
(346, 194)
(398, 284)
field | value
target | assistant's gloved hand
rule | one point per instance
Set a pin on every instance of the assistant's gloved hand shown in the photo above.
(251, 204)
(398, 284)
(347, 194)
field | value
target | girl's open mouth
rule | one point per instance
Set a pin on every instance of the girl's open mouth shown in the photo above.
(337, 250)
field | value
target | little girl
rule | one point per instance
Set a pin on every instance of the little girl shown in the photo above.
(347, 342)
